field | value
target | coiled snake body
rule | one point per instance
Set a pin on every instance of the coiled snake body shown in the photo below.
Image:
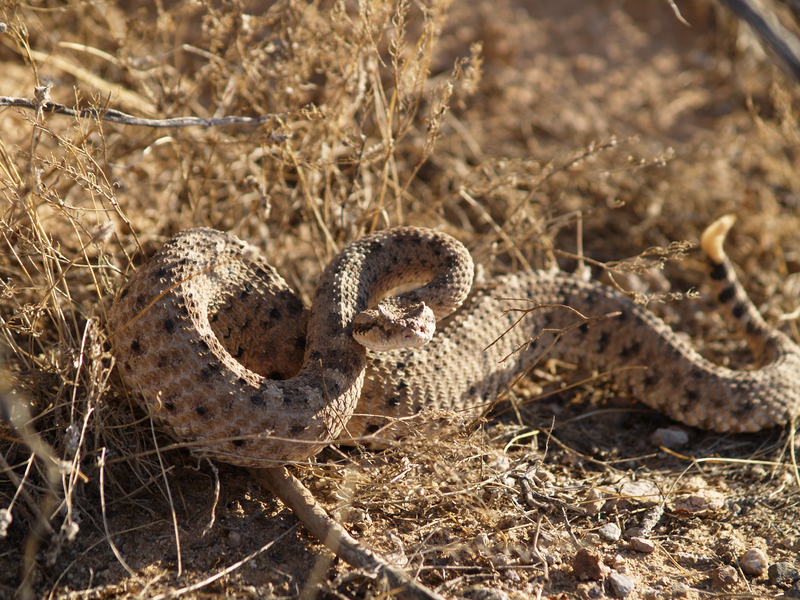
(226, 356)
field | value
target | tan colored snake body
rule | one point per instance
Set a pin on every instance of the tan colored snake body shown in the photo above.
(227, 357)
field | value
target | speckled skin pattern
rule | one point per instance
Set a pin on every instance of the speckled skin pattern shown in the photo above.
(205, 354)
(212, 338)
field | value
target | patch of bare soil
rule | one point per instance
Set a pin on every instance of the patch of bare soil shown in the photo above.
(507, 123)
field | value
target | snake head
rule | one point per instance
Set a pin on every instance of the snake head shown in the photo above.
(394, 325)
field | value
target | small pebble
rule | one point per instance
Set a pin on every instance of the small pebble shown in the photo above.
(791, 543)
(651, 594)
(513, 576)
(481, 542)
(782, 572)
(672, 438)
(621, 584)
(640, 544)
(632, 532)
(679, 590)
(754, 562)
(794, 591)
(689, 559)
(499, 560)
(725, 576)
(589, 591)
(592, 539)
(729, 548)
(620, 565)
(642, 492)
(703, 503)
(595, 500)
(588, 564)
(596, 591)
(479, 592)
(610, 532)
(234, 539)
(546, 539)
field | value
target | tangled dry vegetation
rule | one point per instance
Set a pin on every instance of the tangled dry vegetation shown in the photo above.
(523, 128)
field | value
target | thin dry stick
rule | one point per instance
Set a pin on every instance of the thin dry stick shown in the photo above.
(111, 543)
(19, 483)
(117, 116)
(210, 525)
(169, 497)
(5, 513)
(335, 537)
(792, 429)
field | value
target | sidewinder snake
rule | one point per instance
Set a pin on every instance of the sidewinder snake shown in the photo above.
(226, 356)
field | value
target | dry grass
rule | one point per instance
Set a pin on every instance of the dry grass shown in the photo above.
(493, 121)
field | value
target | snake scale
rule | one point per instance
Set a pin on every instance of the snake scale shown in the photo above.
(226, 356)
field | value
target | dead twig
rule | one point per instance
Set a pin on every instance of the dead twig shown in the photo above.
(335, 537)
(116, 116)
